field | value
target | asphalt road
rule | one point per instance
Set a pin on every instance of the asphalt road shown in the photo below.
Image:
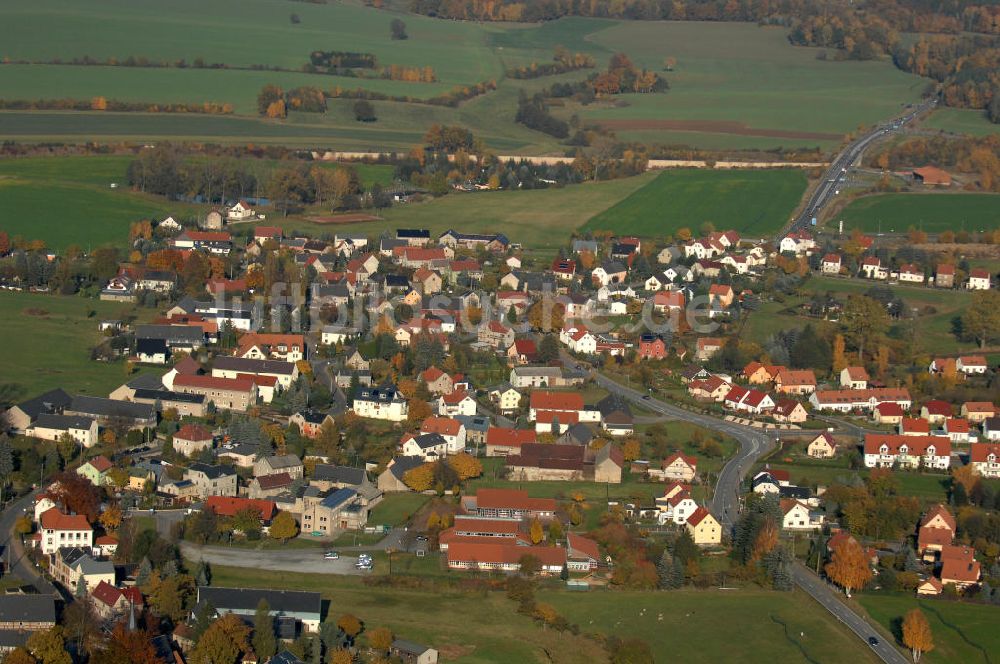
(823, 593)
(19, 564)
(725, 505)
(847, 158)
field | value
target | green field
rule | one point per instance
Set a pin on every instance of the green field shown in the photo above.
(766, 624)
(541, 218)
(777, 94)
(396, 508)
(762, 626)
(961, 121)
(755, 203)
(962, 632)
(929, 212)
(739, 72)
(41, 352)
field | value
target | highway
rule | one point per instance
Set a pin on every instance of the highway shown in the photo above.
(848, 157)
(725, 504)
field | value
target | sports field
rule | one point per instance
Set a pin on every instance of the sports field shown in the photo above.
(734, 86)
(755, 203)
(961, 121)
(962, 632)
(45, 342)
(927, 211)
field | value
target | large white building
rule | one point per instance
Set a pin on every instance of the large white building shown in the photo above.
(888, 450)
(81, 429)
(383, 403)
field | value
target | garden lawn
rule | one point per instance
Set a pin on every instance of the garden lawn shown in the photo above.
(714, 626)
(931, 212)
(42, 352)
(395, 509)
(755, 203)
(962, 632)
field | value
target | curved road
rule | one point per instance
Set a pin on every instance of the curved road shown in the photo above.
(725, 505)
(18, 562)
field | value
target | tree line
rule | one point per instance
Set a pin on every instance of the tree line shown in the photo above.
(115, 105)
(562, 62)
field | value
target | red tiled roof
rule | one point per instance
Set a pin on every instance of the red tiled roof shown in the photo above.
(588, 547)
(455, 397)
(106, 594)
(980, 452)
(466, 524)
(446, 426)
(53, 519)
(938, 407)
(889, 409)
(275, 481)
(958, 563)
(509, 437)
(957, 425)
(916, 445)
(689, 460)
(193, 432)
(230, 505)
(698, 516)
(979, 407)
(915, 425)
(562, 401)
(513, 499)
(101, 464)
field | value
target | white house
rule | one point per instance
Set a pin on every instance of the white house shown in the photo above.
(241, 212)
(428, 446)
(985, 459)
(872, 268)
(971, 365)
(797, 242)
(979, 279)
(384, 403)
(830, 264)
(796, 516)
(82, 430)
(57, 530)
(458, 402)
(887, 450)
(578, 339)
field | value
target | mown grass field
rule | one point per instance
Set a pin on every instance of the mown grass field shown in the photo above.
(962, 632)
(777, 95)
(541, 218)
(755, 203)
(684, 626)
(930, 212)
(961, 121)
(766, 625)
(40, 351)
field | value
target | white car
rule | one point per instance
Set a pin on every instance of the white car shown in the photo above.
(331, 555)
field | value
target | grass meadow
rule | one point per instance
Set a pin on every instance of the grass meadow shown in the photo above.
(755, 203)
(45, 342)
(961, 121)
(962, 632)
(734, 85)
(931, 212)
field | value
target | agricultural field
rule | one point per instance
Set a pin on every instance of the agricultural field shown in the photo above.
(961, 121)
(740, 85)
(734, 86)
(962, 632)
(755, 203)
(45, 342)
(767, 626)
(931, 212)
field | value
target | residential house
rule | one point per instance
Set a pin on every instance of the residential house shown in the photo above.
(854, 378)
(211, 480)
(522, 351)
(608, 464)
(945, 276)
(21, 616)
(652, 346)
(713, 388)
(191, 439)
(914, 426)
(458, 402)
(977, 411)
(57, 530)
(797, 242)
(74, 565)
(677, 467)
(789, 411)
(391, 479)
(791, 381)
(957, 429)
(507, 399)
(796, 516)
(750, 401)
(283, 347)
(409, 652)
(96, 470)
(269, 486)
(823, 446)
(616, 416)
(495, 335)
(704, 528)
(979, 279)
(991, 428)
(936, 411)
(310, 422)
(279, 463)
(226, 393)
(508, 504)
(887, 413)
(872, 268)
(582, 554)
(452, 430)
(936, 530)
(830, 264)
(845, 401)
(959, 566)
(887, 450)
(437, 381)
(428, 446)
(611, 272)
(110, 412)
(83, 430)
(984, 458)
(384, 403)
(972, 365)
(23, 414)
(503, 557)
(707, 347)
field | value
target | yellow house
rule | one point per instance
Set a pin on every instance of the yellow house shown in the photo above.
(704, 529)
(822, 446)
(137, 479)
(758, 374)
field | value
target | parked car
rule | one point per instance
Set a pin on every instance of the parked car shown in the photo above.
(331, 555)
